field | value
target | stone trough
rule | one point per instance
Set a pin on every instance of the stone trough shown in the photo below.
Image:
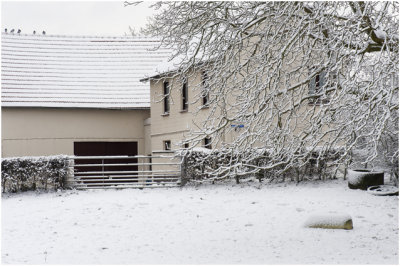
(363, 178)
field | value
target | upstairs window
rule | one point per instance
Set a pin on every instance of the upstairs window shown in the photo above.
(166, 97)
(205, 85)
(185, 100)
(317, 83)
(207, 143)
(167, 145)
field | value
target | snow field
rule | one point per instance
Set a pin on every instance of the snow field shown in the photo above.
(219, 224)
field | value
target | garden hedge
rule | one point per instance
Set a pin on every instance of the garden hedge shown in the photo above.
(32, 173)
(205, 165)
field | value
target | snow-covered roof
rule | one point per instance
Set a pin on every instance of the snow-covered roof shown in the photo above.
(77, 71)
(169, 66)
(164, 68)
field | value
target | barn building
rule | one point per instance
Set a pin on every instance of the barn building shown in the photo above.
(76, 95)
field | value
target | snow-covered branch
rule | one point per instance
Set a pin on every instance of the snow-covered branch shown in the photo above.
(299, 76)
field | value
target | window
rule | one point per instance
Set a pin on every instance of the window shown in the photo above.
(207, 143)
(167, 145)
(185, 99)
(186, 145)
(166, 97)
(205, 94)
(317, 83)
(316, 86)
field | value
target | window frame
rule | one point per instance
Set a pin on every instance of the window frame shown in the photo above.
(205, 97)
(317, 82)
(315, 86)
(166, 93)
(207, 143)
(166, 145)
(185, 97)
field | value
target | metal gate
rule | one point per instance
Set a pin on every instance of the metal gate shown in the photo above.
(91, 172)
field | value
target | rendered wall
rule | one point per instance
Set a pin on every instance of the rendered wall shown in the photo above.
(177, 123)
(51, 131)
(147, 137)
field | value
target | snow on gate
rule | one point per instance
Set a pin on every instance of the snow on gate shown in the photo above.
(91, 172)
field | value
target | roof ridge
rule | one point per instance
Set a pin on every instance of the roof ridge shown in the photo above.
(78, 36)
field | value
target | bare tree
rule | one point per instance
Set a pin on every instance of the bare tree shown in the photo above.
(302, 78)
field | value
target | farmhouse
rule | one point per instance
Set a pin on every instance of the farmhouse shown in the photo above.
(81, 95)
(180, 105)
(76, 95)
(106, 96)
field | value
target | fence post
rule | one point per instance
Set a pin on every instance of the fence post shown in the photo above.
(183, 170)
(70, 175)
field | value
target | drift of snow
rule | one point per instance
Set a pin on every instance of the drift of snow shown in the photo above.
(209, 224)
(38, 158)
(380, 34)
(202, 150)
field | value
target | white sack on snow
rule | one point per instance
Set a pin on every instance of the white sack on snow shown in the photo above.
(329, 221)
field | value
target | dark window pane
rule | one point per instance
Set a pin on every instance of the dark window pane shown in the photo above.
(167, 145)
(207, 143)
(185, 96)
(205, 84)
(166, 97)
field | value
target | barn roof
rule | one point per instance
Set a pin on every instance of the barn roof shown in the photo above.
(77, 71)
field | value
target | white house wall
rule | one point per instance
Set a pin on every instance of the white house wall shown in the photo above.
(51, 131)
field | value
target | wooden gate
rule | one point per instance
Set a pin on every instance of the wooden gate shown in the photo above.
(91, 172)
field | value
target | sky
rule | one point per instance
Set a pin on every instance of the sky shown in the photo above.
(106, 18)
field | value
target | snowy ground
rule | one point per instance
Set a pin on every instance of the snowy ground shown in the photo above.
(220, 224)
